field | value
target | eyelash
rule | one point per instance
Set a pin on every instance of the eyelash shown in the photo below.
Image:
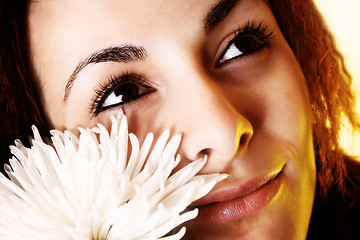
(251, 29)
(104, 91)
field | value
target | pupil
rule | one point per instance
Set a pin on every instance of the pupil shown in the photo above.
(127, 91)
(246, 44)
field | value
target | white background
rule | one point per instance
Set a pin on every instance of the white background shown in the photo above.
(343, 18)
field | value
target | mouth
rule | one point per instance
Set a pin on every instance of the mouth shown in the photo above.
(239, 200)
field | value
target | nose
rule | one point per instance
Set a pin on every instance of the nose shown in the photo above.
(209, 123)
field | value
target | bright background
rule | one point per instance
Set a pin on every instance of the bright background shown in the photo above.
(343, 18)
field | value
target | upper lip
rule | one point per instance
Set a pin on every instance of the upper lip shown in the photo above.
(236, 190)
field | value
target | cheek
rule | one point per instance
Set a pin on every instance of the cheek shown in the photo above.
(274, 98)
(278, 100)
(288, 116)
(288, 107)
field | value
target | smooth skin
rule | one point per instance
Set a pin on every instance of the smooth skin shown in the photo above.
(250, 114)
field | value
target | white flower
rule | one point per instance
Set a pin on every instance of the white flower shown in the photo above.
(89, 187)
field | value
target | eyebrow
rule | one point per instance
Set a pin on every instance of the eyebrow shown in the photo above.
(218, 13)
(124, 54)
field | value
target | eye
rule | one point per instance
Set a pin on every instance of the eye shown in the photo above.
(124, 93)
(247, 41)
(120, 91)
(241, 45)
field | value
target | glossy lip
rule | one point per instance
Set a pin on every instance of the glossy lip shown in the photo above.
(239, 201)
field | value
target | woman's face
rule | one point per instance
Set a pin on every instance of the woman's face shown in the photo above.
(219, 72)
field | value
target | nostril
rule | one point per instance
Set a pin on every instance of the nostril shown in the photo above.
(244, 140)
(204, 152)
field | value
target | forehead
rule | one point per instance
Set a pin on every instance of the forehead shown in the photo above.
(128, 15)
(96, 11)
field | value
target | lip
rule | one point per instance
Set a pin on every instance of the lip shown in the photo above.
(239, 200)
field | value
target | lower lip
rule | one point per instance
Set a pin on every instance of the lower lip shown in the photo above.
(241, 207)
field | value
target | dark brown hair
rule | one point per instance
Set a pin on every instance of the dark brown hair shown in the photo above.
(20, 105)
